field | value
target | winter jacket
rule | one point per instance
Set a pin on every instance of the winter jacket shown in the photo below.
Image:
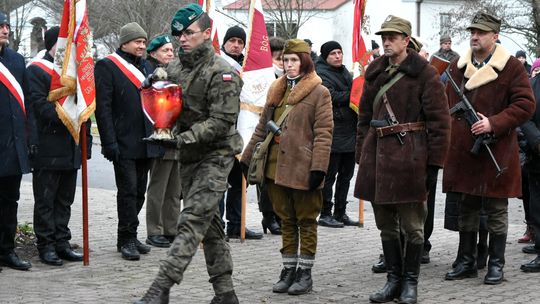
(339, 82)
(306, 135)
(119, 115)
(500, 90)
(390, 172)
(13, 135)
(56, 148)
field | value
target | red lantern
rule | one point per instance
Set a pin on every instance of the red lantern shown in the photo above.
(162, 103)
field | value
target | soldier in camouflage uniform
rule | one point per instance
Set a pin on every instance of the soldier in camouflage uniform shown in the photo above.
(208, 142)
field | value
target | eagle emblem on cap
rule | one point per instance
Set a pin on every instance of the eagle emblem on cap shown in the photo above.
(178, 26)
(388, 18)
(192, 16)
(167, 39)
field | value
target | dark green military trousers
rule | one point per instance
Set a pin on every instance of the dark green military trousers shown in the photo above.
(298, 211)
(496, 210)
(409, 217)
(203, 185)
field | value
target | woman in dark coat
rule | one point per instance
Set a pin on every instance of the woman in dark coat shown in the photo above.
(297, 161)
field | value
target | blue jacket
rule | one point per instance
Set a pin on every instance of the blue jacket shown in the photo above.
(13, 143)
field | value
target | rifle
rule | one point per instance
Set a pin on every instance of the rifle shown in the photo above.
(465, 107)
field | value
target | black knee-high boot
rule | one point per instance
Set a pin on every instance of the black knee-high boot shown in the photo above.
(411, 272)
(466, 263)
(497, 246)
(394, 261)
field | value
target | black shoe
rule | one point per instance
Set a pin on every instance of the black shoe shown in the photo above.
(69, 255)
(158, 241)
(11, 260)
(302, 283)
(129, 251)
(155, 295)
(142, 248)
(329, 221)
(50, 257)
(286, 278)
(170, 238)
(425, 257)
(269, 222)
(379, 267)
(532, 266)
(225, 298)
(234, 233)
(346, 220)
(530, 249)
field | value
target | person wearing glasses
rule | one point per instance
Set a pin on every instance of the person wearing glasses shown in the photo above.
(207, 140)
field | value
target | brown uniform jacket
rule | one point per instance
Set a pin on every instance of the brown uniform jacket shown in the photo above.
(501, 91)
(306, 132)
(388, 171)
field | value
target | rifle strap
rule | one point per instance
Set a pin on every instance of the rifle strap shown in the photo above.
(385, 88)
(270, 135)
(393, 118)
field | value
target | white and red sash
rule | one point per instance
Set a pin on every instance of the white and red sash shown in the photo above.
(48, 67)
(14, 87)
(133, 74)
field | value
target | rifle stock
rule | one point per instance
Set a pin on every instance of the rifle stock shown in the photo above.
(440, 64)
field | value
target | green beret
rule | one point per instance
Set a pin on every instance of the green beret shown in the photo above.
(184, 17)
(396, 25)
(157, 42)
(485, 22)
(296, 46)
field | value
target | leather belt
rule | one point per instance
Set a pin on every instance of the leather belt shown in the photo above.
(401, 128)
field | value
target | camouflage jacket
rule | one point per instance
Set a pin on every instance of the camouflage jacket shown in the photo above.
(210, 105)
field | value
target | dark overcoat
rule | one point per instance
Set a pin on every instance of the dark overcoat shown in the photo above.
(339, 82)
(500, 90)
(119, 113)
(388, 171)
(13, 136)
(306, 132)
(57, 149)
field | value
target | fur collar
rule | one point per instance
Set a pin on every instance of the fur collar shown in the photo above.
(304, 87)
(487, 73)
(412, 65)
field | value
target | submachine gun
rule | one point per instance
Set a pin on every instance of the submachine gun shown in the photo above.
(465, 108)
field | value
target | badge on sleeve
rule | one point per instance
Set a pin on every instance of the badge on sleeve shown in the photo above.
(227, 77)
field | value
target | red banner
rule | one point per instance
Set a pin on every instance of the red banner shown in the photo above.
(360, 55)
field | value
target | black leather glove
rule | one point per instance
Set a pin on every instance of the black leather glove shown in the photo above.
(245, 169)
(164, 142)
(315, 179)
(111, 152)
(33, 151)
(432, 174)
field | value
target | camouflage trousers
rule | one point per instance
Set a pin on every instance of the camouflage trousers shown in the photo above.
(203, 185)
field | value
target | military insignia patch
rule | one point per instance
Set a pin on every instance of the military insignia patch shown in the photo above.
(227, 77)
(178, 26)
(192, 16)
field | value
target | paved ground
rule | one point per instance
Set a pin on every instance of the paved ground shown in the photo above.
(341, 273)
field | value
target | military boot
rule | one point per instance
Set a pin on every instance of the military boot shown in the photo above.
(228, 297)
(393, 259)
(155, 295)
(380, 266)
(286, 279)
(497, 246)
(482, 249)
(409, 282)
(302, 283)
(466, 263)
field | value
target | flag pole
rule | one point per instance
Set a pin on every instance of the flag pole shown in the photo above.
(243, 213)
(361, 213)
(84, 174)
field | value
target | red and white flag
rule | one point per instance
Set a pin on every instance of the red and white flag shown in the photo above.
(258, 72)
(209, 6)
(72, 86)
(360, 55)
